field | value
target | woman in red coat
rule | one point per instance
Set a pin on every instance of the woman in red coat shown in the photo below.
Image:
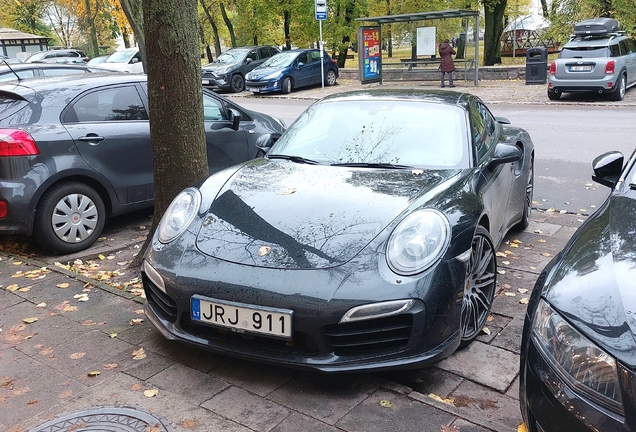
(447, 65)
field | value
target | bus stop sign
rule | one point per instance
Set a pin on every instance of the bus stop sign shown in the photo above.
(321, 10)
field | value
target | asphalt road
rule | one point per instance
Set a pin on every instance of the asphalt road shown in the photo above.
(567, 138)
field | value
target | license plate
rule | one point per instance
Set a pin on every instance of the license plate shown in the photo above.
(242, 318)
(580, 68)
(206, 82)
(255, 89)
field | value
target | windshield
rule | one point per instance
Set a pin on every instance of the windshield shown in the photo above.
(280, 60)
(36, 57)
(584, 52)
(380, 131)
(231, 56)
(120, 57)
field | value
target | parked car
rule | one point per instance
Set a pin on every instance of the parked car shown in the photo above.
(364, 240)
(58, 56)
(578, 350)
(125, 60)
(228, 71)
(596, 59)
(291, 70)
(34, 70)
(74, 152)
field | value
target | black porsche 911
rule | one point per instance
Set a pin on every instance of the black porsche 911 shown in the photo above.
(578, 350)
(364, 240)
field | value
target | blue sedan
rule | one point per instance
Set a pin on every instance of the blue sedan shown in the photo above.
(290, 70)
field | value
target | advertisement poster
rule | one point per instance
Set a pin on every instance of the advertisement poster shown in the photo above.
(426, 41)
(370, 54)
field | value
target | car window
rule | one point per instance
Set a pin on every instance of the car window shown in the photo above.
(253, 54)
(615, 51)
(264, 52)
(315, 56)
(584, 52)
(482, 128)
(65, 71)
(113, 104)
(213, 109)
(379, 131)
(303, 58)
(9, 76)
(11, 103)
(280, 59)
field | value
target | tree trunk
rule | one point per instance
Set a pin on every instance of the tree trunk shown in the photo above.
(286, 27)
(389, 36)
(229, 25)
(208, 51)
(133, 11)
(91, 26)
(175, 99)
(215, 29)
(493, 29)
(544, 8)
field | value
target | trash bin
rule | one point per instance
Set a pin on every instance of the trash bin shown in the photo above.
(536, 65)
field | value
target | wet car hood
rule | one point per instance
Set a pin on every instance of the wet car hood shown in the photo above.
(281, 214)
(594, 284)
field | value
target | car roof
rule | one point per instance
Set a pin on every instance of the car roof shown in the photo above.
(594, 41)
(21, 66)
(423, 95)
(78, 84)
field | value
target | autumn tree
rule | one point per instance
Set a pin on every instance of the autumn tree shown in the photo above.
(175, 98)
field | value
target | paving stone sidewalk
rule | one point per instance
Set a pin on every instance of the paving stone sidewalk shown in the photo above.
(70, 343)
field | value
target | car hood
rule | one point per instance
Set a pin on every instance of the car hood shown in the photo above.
(261, 72)
(281, 214)
(593, 285)
(216, 67)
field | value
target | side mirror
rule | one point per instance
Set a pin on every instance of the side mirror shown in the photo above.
(235, 116)
(608, 168)
(300, 64)
(505, 153)
(502, 120)
(266, 141)
(248, 60)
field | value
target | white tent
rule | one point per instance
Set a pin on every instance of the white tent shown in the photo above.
(528, 22)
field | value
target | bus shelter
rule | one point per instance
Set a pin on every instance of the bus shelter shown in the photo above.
(370, 41)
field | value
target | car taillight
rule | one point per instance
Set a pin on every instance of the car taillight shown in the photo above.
(4, 209)
(14, 142)
(609, 67)
(553, 68)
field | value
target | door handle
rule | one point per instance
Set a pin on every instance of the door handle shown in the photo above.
(92, 139)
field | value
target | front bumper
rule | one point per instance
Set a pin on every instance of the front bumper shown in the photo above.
(263, 86)
(549, 404)
(214, 82)
(424, 335)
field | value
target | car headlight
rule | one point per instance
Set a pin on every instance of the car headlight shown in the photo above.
(579, 362)
(179, 215)
(418, 242)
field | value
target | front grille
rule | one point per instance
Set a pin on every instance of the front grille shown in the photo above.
(377, 335)
(160, 302)
(301, 344)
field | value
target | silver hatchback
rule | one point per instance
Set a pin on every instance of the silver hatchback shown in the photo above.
(594, 63)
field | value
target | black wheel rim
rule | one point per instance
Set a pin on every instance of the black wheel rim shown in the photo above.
(237, 83)
(479, 288)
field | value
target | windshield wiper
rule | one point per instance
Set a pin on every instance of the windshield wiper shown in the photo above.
(298, 159)
(371, 165)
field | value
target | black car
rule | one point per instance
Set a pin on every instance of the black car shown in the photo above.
(33, 70)
(74, 152)
(364, 240)
(578, 351)
(228, 71)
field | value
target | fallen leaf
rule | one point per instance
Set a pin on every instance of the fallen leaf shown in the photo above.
(545, 254)
(112, 335)
(417, 172)
(65, 394)
(514, 245)
(151, 393)
(563, 211)
(136, 321)
(69, 308)
(25, 289)
(505, 262)
(93, 373)
(110, 366)
(12, 287)
(139, 354)
(29, 320)
(17, 262)
(190, 423)
(541, 241)
(41, 305)
(524, 300)
(385, 403)
(136, 387)
(582, 210)
(62, 285)
(522, 290)
(510, 294)
(139, 311)
(501, 272)
(500, 254)
(522, 428)
(32, 402)
(486, 330)
(517, 241)
(77, 355)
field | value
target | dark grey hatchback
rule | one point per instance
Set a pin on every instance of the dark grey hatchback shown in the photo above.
(75, 152)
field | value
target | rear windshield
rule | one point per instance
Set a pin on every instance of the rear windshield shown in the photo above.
(10, 103)
(585, 52)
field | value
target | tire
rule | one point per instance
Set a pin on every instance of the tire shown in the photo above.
(69, 217)
(286, 86)
(331, 77)
(621, 87)
(237, 83)
(479, 287)
(527, 207)
(553, 95)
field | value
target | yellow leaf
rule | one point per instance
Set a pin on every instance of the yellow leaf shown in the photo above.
(509, 294)
(514, 245)
(29, 320)
(151, 393)
(139, 311)
(385, 403)
(17, 262)
(524, 300)
(17, 274)
(101, 257)
(94, 373)
(517, 241)
(139, 354)
(69, 308)
(25, 289)
(545, 254)
(62, 285)
(522, 428)
(12, 287)
(500, 254)
(501, 272)
(582, 210)
(486, 330)
(112, 335)
(541, 241)
(41, 305)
